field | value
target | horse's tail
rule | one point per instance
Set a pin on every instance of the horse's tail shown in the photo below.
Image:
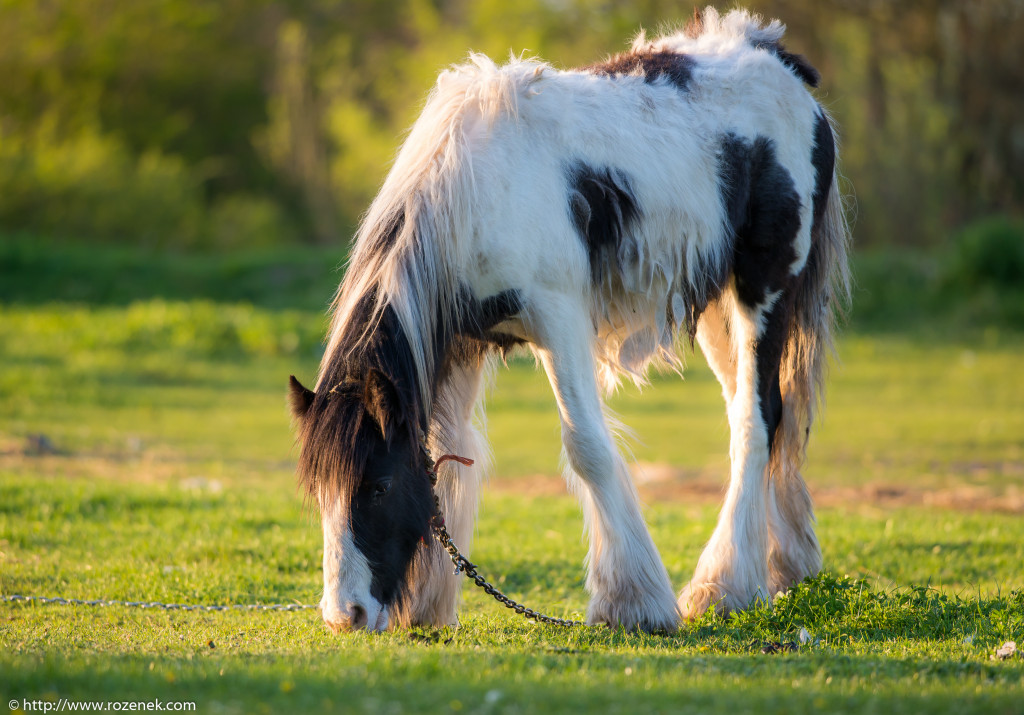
(822, 296)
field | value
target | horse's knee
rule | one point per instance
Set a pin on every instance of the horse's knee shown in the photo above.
(589, 451)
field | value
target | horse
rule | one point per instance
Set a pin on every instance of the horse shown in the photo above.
(605, 218)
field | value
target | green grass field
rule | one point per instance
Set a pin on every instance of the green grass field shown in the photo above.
(145, 453)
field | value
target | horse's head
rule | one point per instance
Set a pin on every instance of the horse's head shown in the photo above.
(362, 461)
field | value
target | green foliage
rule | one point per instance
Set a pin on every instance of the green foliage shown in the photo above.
(894, 290)
(92, 186)
(244, 222)
(35, 270)
(988, 253)
(975, 285)
(181, 76)
(894, 132)
(191, 123)
(835, 606)
(185, 330)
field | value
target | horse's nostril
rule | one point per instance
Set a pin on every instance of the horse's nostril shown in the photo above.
(356, 616)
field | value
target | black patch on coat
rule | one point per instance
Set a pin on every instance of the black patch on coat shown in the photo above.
(603, 209)
(798, 63)
(479, 317)
(674, 67)
(495, 310)
(491, 311)
(823, 159)
(762, 214)
(474, 336)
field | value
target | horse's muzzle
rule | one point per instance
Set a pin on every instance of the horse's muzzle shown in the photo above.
(355, 616)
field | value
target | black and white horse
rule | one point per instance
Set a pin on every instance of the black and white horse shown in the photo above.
(686, 188)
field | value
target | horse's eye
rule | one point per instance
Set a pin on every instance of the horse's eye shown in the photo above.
(382, 487)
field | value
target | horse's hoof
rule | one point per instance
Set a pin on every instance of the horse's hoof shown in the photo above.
(638, 618)
(697, 598)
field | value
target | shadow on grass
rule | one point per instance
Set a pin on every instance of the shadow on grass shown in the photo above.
(424, 680)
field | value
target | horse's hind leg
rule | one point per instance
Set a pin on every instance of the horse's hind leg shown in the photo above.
(627, 582)
(713, 336)
(434, 587)
(793, 550)
(733, 569)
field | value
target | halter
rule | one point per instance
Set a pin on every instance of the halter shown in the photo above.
(461, 563)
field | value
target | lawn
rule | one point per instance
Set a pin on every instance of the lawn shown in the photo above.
(145, 453)
(874, 645)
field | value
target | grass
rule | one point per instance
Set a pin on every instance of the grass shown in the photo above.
(145, 453)
(207, 380)
(916, 634)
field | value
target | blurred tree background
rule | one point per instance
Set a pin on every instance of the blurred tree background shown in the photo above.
(249, 123)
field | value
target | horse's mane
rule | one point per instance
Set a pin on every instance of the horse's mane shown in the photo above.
(412, 243)
(401, 302)
(362, 393)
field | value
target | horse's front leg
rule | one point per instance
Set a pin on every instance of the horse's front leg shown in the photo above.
(733, 570)
(626, 579)
(434, 587)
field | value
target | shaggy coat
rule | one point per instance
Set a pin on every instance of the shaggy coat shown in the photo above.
(685, 188)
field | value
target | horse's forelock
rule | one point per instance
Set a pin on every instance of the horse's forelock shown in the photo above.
(367, 392)
(335, 447)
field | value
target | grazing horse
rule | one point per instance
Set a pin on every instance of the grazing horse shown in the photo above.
(602, 217)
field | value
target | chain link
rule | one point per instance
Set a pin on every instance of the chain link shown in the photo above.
(464, 565)
(15, 598)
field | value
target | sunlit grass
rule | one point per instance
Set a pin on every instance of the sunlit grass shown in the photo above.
(889, 641)
(145, 453)
(209, 379)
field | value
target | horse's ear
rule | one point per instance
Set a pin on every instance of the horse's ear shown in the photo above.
(382, 401)
(300, 398)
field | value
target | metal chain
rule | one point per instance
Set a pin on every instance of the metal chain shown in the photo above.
(463, 565)
(14, 598)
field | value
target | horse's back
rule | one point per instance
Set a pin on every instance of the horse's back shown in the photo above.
(614, 188)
